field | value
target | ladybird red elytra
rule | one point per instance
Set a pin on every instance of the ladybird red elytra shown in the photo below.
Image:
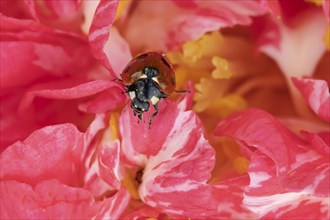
(149, 77)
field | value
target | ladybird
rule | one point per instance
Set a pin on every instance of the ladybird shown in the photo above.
(149, 77)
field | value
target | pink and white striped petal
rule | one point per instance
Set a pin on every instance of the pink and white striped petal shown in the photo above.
(103, 172)
(287, 173)
(316, 94)
(177, 163)
(270, 200)
(111, 50)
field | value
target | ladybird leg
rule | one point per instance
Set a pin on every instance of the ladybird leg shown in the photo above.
(140, 116)
(127, 91)
(153, 114)
(164, 95)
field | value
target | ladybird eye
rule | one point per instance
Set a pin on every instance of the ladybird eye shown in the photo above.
(142, 56)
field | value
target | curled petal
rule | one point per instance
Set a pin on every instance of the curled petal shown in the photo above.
(75, 92)
(111, 50)
(52, 152)
(299, 167)
(104, 174)
(316, 94)
(99, 31)
(113, 207)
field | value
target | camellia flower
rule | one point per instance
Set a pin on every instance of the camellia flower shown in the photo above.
(250, 140)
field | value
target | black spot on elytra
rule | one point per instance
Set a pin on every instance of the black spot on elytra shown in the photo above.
(165, 62)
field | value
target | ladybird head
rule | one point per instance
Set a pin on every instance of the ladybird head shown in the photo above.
(150, 72)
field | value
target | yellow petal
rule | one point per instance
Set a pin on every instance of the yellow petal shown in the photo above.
(316, 2)
(221, 70)
(205, 46)
(241, 164)
(121, 7)
(211, 97)
(130, 184)
(112, 132)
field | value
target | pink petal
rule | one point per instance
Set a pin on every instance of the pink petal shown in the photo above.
(273, 7)
(295, 159)
(140, 142)
(63, 8)
(298, 52)
(75, 92)
(104, 173)
(283, 169)
(48, 199)
(52, 152)
(220, 201)
(145, 212)
(270, 200)
(320, 144)
(193, 21)
(109, 164)
(186, 101)
(31, 7)
(107, 100)
(44, 106)
(177, 163)
(16, 9)
(325, 136)
(326, 9)
(113, 52)
(52, 200)
(316, 94)
(117, 51)
(113, 207)
(43, 52)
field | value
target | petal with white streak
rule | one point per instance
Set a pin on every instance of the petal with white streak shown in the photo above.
(316, 94)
